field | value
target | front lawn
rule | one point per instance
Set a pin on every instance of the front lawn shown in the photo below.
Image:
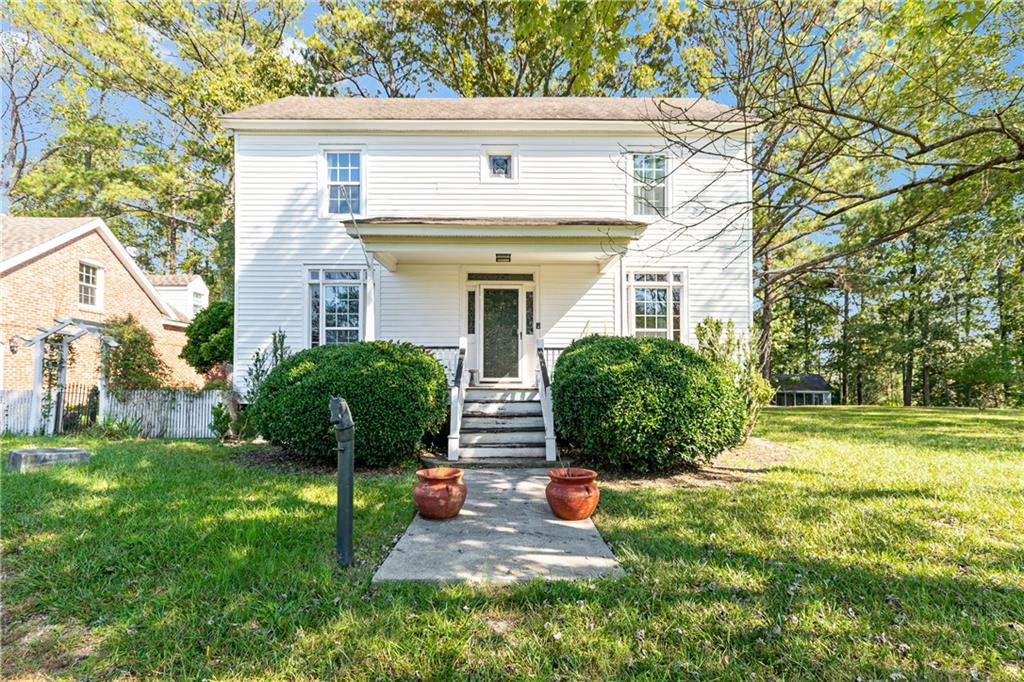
(889, 546)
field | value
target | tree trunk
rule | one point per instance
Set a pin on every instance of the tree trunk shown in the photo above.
(844, 365)
(926, 386)
(172, 238)
(1001, 321)
(908, 329)
(766, 321)
(908, 381)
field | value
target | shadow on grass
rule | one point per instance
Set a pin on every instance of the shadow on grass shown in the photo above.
(166, 549)
(184, 565)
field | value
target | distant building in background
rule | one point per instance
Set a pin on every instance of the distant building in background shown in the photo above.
(801, 389)
(76, 269)
(187, 294)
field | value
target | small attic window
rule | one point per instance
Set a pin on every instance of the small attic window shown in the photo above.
(499, 165)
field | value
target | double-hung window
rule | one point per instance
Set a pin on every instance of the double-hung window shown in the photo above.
(89, 285)
(344, 186)
(657, 304)
(649, 184)
(335, 305)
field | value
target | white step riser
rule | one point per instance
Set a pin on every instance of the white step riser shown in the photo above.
(485, 452)
(487, 422)
(499, 394)
(503, 408)
(517, 438)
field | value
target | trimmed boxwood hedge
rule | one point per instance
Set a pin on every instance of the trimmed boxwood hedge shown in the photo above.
(644, 404)
(396, 391)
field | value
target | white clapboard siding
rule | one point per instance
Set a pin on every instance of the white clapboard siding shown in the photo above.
(15, 407)
(167, 414)
(279, 231)
(575, 300)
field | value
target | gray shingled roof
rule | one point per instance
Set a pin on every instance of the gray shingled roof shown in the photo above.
(180, 279)
(801, 382)
(20, 234)
(488, 108)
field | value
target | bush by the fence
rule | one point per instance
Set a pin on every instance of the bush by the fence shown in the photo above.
(397, 393)
(644, 404)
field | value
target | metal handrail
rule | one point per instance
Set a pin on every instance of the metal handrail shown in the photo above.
(545, 380)
(546, 405)
(459, 366)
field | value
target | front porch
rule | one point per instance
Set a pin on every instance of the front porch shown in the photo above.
(496, 301)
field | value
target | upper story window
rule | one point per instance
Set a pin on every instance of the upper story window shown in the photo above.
(335, 305)
(499, 165)
(658, 304)
(649, 184)
(197, 302)
(344, 182)
(89, 285)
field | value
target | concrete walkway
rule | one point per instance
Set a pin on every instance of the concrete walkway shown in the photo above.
(505, 533)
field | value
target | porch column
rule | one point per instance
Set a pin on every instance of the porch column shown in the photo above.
(370, 312)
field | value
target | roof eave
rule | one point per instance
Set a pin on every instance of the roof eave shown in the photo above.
(446, 231)
(484, 125)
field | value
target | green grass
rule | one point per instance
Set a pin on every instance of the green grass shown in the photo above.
(890, 546)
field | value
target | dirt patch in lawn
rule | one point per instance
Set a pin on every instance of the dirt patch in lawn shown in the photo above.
(37, 650)
(731, 467)
(282, 461)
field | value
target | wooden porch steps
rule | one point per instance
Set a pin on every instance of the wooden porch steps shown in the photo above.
(501, 423)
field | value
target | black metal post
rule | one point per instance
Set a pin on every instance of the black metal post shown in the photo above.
(344, 430)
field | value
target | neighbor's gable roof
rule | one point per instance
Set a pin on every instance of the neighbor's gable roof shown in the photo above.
(636, 109)
(180, 279)
(19, 235)
(801, 382)
(23, 239)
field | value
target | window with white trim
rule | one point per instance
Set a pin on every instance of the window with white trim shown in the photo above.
(335, 305)
(197, 302)
(649, 184)
(499, 164)
(657, 304)
(89, 285)
(344, 186)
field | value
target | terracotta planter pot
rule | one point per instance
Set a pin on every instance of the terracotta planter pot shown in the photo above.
(572, 493)
(440, 492)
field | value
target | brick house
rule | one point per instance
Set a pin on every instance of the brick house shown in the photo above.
(76, 268)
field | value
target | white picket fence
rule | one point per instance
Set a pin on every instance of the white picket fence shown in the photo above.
(166, 414)
(15, 408)
(158, 414)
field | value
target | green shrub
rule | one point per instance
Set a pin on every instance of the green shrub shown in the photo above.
(133, 364)
(210, 337)
(739, 358)
(396, 392)
(116, 429)
(644, 404)
(220, 421)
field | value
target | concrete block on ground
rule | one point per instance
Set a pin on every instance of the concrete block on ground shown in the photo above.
(34, 459)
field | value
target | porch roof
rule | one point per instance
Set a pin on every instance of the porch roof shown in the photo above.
(392, 240)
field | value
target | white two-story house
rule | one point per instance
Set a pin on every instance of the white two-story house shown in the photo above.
(491, 230)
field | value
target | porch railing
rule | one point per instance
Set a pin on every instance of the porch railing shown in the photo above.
(551, 354)
(458, 397)
(546, 406)
(448, 356)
